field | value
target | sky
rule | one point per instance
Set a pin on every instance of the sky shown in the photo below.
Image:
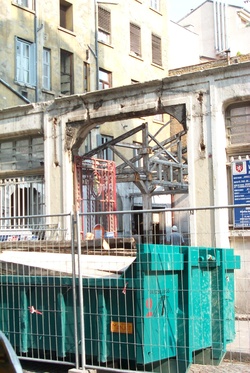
(179, 8)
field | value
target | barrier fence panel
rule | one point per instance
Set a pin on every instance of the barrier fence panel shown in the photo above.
(36, 287)
(151, 296)
(165, 299)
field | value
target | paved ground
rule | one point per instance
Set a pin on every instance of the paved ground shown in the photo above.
(225, 367)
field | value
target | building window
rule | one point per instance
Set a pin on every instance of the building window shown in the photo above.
(22, 200)
(46, 69)
(25, 3)
(159, 118)
(105, 78)
(87, 144)
(25, 62)
(106, 153)
(22, 154)
(86, 77)
(156, 50)
(238, 124)
(238, 142)
(66, 73)
(21, 195)
(135, 39)
(66, 15)
(104, 25)
(155, 4)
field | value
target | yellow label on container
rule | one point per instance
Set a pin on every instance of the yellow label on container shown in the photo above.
(121, 327)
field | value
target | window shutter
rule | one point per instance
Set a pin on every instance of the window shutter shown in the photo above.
(98, 140)
(155, 4)
(18, 58)
(156, 50)
(104, 21)
(46, 68)
(32, 63)
(238, 125)
(135, 39)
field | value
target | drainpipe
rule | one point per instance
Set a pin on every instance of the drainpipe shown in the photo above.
(219, 25)
(36, 53)
(215, 28)
(225, 22)
(96, 45)
(223, 32)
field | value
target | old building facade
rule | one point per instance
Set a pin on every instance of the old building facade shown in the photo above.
(70, 47)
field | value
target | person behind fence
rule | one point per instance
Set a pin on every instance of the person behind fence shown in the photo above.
(175, 237)
(136, 236)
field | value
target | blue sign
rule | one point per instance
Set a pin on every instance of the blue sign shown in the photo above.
(241, 192)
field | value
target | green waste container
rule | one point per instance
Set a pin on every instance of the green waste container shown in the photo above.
(136, 314)
(206, 300)
(170, 307)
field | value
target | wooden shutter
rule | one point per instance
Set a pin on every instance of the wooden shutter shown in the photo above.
(104, 20)
(135, 39)
(156, 50)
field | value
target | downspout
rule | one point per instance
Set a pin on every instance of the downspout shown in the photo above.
(215, 28)
(225, 22)
(36, 53)
(219, 25)
(96, 45)
(223, 33)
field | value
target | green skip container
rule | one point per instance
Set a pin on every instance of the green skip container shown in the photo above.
(171, 307)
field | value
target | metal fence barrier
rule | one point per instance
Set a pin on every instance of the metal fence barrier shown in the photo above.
(136, 299)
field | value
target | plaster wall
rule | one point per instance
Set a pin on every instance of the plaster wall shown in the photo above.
(202, 22)
(41, 25)
(180, 40)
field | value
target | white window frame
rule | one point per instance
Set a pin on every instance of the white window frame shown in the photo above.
(105, 79)
(25, 3)
(155, 4)
(47, 69)
(25, 62)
